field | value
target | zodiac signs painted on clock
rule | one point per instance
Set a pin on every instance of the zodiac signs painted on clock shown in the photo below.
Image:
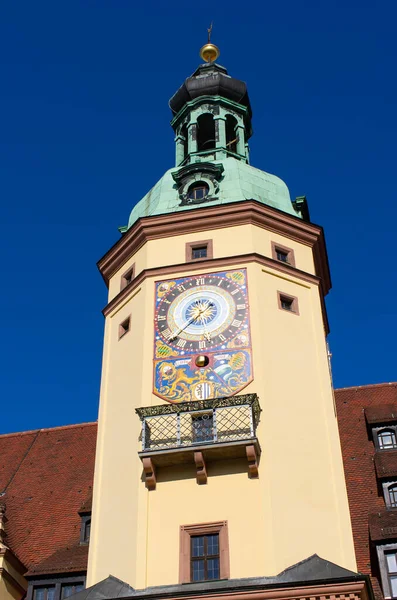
(202, 338)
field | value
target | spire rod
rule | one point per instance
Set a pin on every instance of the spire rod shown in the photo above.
(209, 32)
(209, 52)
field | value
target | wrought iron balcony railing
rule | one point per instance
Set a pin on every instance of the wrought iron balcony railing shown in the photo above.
(201, 430)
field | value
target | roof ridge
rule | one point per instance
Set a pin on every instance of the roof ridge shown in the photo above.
(369, 385)
(44, 429)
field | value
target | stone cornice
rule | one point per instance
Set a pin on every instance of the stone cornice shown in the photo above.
(216, 263)
(217, 217)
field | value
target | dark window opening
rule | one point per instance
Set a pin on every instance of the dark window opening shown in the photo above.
(87, 531)
(392, 492)
(391, 565)
(281, 255)
(70, 589)
(387, 439)
(203, 427)
(198, 191)
(205, 557)
(286, 303)
(205, 132)
(127, 277)
(44, 592)
(184, 134)
(231, 134)
(199, 252)
(124, 327)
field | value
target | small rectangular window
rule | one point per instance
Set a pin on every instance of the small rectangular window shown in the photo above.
(199, 250)
(289, 303)
(204, 552)
(204, 557)
(286, 303)
(124, 327)
(127, 277)
(283, 254)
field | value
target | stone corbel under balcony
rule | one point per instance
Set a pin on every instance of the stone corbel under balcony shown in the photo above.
(198, 433)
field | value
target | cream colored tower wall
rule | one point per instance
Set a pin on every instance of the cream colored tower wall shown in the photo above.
(297, 507)
(12, 583)
(229, 241)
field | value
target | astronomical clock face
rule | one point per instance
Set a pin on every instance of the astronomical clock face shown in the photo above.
(202, 346)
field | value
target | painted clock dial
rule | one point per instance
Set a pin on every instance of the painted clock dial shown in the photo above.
(202, 346)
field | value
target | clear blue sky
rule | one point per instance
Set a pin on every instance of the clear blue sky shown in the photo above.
(85, 133)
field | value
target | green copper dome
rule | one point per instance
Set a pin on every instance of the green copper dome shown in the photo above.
(212, 125)
(239, 181)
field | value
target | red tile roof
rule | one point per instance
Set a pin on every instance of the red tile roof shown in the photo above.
(45, 478)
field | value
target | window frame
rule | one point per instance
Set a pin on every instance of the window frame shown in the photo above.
(382, 550)
(58, 582)
(71, 584)
(204, 558)
(281, 296)
(276, 247)
(194, 187)
(190, 246)
(189, 531)
(46, 586)
(385, 486)
(377, 430)
(127, 277)
(124, 327)
(85, 520)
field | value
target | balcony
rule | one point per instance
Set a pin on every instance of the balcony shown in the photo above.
(198, 433)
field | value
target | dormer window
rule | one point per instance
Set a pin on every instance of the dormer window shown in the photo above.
(68, 589)
(198, 191)
(390, 494)
(385, 438)
(60, 586)
(44, 592)
(85, 530)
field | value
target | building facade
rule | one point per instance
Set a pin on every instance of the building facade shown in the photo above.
(218, 464)
(368, 427)
(201, 431)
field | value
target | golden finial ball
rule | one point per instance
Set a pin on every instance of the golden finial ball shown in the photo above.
(202, 361)
(209, 52)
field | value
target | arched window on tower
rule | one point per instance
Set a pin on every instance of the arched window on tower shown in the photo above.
(184, 135)
(231, 134)
(205, 132)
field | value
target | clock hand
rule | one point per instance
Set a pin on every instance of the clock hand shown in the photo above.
(173, 337)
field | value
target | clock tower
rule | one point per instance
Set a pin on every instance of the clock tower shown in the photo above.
(218, 461)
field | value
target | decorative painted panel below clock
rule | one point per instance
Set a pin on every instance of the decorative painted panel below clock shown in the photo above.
(202, 342)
